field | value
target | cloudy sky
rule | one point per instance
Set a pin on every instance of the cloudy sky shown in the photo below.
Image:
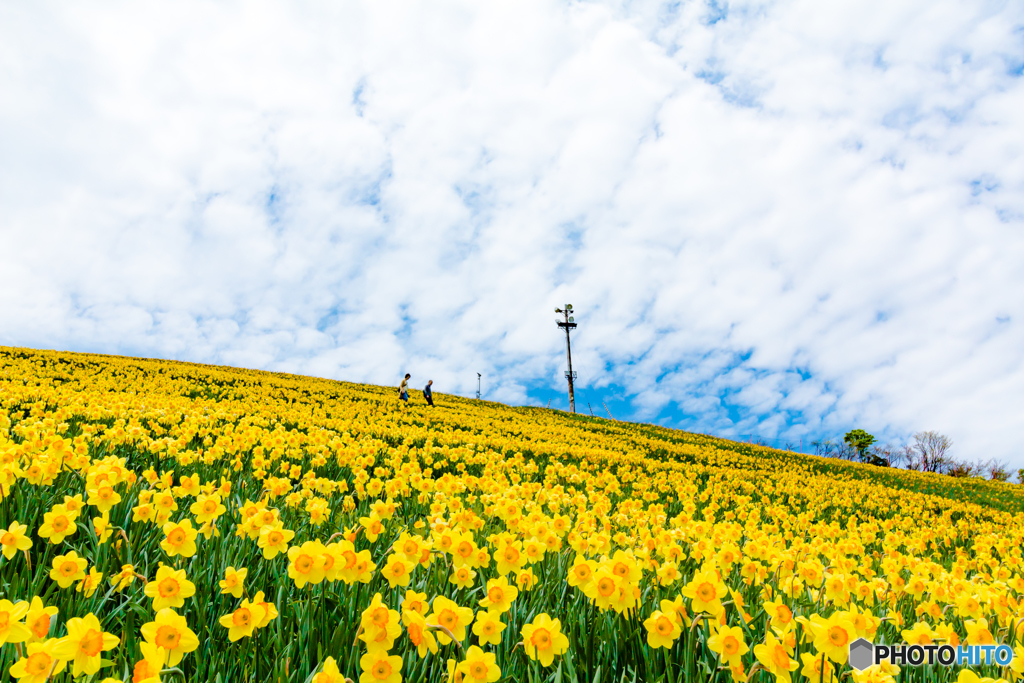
(775, 218)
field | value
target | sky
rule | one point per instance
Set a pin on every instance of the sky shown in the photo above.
(775, 219)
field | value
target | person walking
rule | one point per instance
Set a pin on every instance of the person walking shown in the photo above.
(427, 393)
(403, 389)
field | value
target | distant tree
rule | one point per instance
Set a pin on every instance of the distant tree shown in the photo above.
(860, 441)
(889, 455)
(875, 459)
(959, 468)
(827, 449)
(1020, 476)
(896, 456)
(845, 451)
(932, 450)
(997, 471)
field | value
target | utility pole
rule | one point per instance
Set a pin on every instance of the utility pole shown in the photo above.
(478, 386)
(567, 325)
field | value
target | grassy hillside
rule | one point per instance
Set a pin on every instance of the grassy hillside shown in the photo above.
(385, 542)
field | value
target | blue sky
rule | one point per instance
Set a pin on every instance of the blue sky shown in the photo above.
(775, 218)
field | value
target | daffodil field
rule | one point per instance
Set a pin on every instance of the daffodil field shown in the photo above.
(164, 521)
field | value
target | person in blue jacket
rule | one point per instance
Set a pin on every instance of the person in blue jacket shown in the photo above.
(427, 393)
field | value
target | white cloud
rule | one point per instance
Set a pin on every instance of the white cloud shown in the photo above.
(781, 218)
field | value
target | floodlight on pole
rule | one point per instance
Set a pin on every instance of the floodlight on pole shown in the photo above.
(568, 324)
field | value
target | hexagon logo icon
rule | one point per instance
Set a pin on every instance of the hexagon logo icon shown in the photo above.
(862, 654)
